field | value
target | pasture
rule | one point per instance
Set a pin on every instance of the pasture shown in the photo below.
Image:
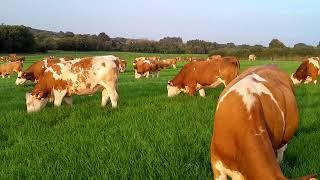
(149, 136)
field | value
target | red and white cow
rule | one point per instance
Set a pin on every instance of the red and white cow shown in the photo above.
(307, 72)
(79, 76)
(255, 118)
(145, 68)
(199, 75)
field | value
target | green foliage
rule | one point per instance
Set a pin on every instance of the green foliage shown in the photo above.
(276, 44)
(16, 39)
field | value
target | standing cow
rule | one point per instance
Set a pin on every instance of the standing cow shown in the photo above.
(252, 57)
(198, 75)
(79, 76)
(146, 68)
(10, 67)
(307, 72)
(255, 118)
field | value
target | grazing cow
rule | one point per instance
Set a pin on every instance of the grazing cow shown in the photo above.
(145, 68)
(36, 70)
(153, 58)
(193, 59)
(214, 57)
(256, 117)
(307, 72)
(168, 62)
(10, 67)
(178, 58)
(199, 75)
(252, 57)
(79, 76)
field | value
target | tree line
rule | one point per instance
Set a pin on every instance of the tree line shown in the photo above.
(21, 39)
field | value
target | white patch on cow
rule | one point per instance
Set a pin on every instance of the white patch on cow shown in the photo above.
(194, 68)
(280, 153)
(19, 79)
(314, 62)
(295, 80)
(247, 87)
(202, 93)
(308, 80)
(224, 172)
(147, 61)
(33, 104)
(315, 81)
(173, 90)
(137, 75)
(45, 63)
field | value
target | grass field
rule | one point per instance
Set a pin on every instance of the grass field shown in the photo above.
(149, 136)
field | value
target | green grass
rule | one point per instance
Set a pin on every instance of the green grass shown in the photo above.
(148, 136)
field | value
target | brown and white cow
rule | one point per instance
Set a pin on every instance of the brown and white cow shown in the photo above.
(252, 57)
(199, 75)
(79, 76)
(255, 118)
(168, 63)
(145, 68)
(153, 58)
(307, 72)
(36, 70)
(214, 57)
(10, 67)
(193, 59)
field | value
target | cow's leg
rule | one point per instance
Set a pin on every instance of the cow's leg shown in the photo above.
(105, 97)
(280, 153)
(147, 74)
(308, 80)
(158, 72)
(202, 93)
(58, 96)
(112, 92)
(68, 100)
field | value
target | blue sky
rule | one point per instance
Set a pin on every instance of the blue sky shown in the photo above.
(239, 21)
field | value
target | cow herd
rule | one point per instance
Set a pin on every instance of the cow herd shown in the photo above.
(255, 118)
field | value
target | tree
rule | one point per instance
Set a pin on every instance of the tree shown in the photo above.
(275, 43)
(171, 45)
(16, 39)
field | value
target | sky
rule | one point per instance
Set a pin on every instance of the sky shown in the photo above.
(239, 21)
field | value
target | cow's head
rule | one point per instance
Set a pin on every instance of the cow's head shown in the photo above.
(35, 103)
(122, 65)
(23, 77)
(172, 89)
(295, 80)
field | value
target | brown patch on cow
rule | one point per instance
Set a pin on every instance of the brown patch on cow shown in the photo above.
(85, 63)
(103, 64)
(56, 69)
(88, 85)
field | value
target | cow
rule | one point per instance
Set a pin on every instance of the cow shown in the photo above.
(36, 70)
(168, 62)
(214, 57)
(199, 75)
(153, 58)
(252, 57)
(193, 59)
(307, 72)
(10, 67)
(256, 116)
(145, 68)
(83, 76)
